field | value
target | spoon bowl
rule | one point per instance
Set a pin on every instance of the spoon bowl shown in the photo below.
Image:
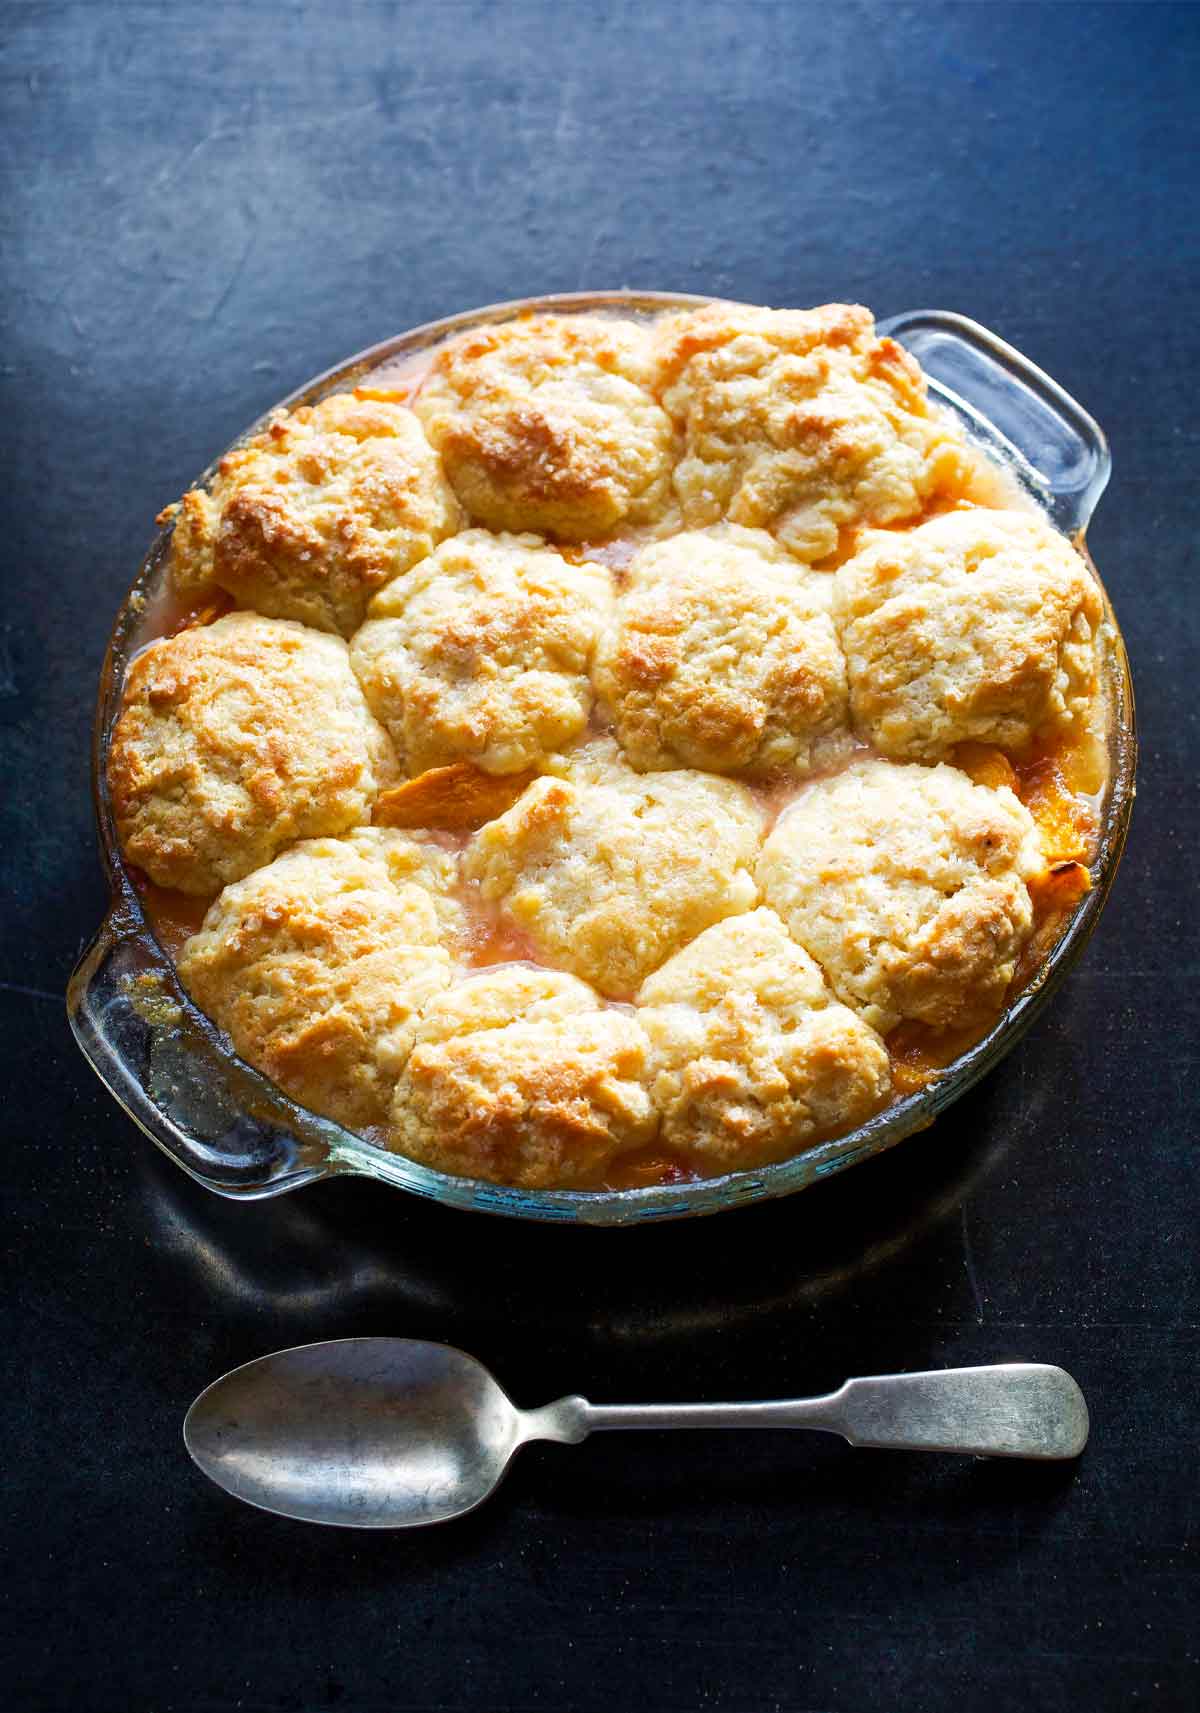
(369, 1433)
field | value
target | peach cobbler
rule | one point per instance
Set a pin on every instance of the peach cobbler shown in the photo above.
(617, 750)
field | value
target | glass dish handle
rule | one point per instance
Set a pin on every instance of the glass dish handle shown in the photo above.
(1016, 410)
(151, 1049)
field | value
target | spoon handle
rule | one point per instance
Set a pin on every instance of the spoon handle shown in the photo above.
(1008, 1409)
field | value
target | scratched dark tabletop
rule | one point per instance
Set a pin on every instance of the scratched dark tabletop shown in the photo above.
(202, 206)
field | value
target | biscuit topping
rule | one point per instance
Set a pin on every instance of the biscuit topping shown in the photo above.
(549, 423)
(802, 422)
(614, 739)
(310, 518)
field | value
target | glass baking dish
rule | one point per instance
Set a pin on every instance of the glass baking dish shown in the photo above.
(236, 1133)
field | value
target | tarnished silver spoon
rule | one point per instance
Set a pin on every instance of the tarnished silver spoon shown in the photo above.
(391, 1433)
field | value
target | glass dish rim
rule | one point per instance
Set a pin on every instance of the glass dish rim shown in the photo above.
(332, 1149)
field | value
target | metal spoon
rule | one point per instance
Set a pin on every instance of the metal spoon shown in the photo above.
(390, 1433)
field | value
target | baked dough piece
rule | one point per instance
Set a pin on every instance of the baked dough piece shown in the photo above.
(421, 859)
(908, 886)
(723, 656)
(977, 625)
(311, 517)
(801, 421)
(234, 740)
(520, 1076)
(751, 1057)
(607, 872)
(548, 423)
(316, 966)
(482, 653)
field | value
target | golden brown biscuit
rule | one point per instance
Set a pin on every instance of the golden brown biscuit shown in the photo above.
(751, 1059)
(977, 626)
(909, 887)
(723, 656)
(482, 653)
(316, 966)
(520, 1076)
(607, 871)
(548, 423)
(801, 421)
(310, 518)
(234, 740)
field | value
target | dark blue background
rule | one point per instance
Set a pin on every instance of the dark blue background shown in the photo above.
(200, 207)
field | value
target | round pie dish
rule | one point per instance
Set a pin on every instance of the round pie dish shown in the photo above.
(236, 1132)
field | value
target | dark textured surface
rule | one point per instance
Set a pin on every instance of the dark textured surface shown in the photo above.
(200, 207)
